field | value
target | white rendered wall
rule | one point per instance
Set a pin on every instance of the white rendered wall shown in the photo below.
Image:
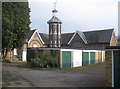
(24, 55)
(15, 51)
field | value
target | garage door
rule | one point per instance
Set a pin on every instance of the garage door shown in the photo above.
(116, 68)
(77, 58)
(66, 59)
(85, 58)
(92, 57)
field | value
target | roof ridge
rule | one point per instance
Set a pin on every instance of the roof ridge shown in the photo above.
(33, 29)
(44, 33)
(82, 35)
(68, 33)
(99, 30)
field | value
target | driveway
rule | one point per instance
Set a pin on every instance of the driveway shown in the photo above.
(91, 76)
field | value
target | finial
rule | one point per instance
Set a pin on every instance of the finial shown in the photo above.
(55, 11)
(55, 4)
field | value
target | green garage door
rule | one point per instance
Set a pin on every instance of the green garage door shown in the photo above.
(66, 59)
(92, 57)
(85, 58)
(116, 68)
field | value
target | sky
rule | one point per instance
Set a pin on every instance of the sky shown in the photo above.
(82, 15)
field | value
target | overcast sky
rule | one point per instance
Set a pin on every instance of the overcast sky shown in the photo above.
(80, 15)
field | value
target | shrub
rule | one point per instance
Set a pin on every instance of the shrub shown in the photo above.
(37, 62)
(44, 63)
(44, 60)
(46, 54)
(52, 62)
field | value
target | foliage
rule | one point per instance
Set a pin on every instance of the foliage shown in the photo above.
(45, 60)
(46, 54)
(42, 63)
(36, 62)
(52, 62)
(15, 24)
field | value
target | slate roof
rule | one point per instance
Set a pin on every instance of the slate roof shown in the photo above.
(82, 35)
(30, 34)
(65, 38)
(45, 37)
(54, 19)
(99, 36)
(89, 37)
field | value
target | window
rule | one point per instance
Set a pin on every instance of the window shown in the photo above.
(59, 33)
(34, 45)
(59, 45)
(55, 42)
(50, 42)
(59, 41)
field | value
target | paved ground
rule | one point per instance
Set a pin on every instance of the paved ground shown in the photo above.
(93, 76)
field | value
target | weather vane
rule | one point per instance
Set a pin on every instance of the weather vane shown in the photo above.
(55, 4)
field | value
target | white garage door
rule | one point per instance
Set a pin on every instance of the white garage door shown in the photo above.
(77, 58)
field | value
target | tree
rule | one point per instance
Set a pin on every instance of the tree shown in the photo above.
(15, 25)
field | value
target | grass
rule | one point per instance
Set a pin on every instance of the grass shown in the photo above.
(27, 65)
(80, 68)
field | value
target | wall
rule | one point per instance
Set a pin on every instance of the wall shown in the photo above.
(113, 41)
(35, 42)
(108, 62)
(113, 66)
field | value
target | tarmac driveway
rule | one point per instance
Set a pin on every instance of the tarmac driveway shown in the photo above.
(92, 76)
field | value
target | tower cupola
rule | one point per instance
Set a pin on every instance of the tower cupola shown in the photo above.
(54, 30)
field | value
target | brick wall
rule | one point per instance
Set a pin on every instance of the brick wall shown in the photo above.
(108, 61)
(35, 41)
(113, 41)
